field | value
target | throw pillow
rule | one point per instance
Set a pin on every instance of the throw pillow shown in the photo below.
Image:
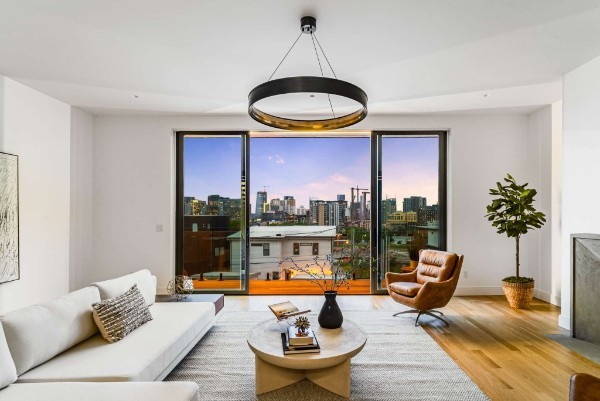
(116, 317)
(8, 371)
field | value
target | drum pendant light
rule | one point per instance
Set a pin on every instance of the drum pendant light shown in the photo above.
(308, 85)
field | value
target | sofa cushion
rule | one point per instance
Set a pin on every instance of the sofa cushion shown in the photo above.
(156, 391)
(119, 316)
(8, 371)
(141, 356)
(117, 286)
(408, 289)
(37, 333)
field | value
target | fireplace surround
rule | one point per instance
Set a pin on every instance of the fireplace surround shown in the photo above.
(585, 286)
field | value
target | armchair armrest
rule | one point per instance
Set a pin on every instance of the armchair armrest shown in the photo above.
(435, 294)
(401, 277)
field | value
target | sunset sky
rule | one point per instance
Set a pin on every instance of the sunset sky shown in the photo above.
(310, 167)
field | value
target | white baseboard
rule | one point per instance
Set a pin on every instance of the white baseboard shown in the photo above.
(472, 291)
(469, 291)
(497, 290)
(564, 321)
(547, 296)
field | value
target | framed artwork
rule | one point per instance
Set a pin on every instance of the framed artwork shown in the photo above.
(9, 217)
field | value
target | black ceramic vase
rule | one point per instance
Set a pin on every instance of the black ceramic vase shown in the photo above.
(330, 316)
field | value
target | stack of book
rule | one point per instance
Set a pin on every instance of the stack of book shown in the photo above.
(294, 344)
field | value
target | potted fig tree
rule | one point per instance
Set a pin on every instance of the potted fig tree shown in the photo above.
(512, 213)
(419, 241)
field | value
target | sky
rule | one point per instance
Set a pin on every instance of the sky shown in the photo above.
(310, 167)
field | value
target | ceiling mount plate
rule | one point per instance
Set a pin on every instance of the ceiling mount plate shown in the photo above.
(308, 24)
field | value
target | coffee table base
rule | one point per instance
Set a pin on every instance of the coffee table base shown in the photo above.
(270, 377)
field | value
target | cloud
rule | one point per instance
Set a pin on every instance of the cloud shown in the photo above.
(278, 159)
(339, 178)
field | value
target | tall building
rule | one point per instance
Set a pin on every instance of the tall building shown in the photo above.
(413, 204)
(276, 205)
(212, 207)
(187, 205)
(261, 201)
(401, 223)
(198, 207)
(313, 209)
(427, 214)
(388, 206)
(230, 207)
(356, 212)
(289, 204)
(301, 210)
(328, 214)
(342, 210)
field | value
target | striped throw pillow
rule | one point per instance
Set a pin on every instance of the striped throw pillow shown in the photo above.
(116, 317)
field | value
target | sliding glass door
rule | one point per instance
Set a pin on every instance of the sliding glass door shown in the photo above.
(369, 198)
(211, 210)
(410, 182)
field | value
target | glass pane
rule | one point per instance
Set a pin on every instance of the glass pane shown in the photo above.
(214, 218)
(310, 199)
(409, 201)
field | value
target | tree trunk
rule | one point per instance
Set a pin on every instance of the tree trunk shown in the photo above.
(517, 255)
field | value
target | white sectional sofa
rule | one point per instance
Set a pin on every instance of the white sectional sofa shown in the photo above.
(57, 351)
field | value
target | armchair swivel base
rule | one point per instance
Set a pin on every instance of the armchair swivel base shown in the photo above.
(424, 312)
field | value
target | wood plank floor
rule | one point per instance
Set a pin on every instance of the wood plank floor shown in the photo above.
(505, 351)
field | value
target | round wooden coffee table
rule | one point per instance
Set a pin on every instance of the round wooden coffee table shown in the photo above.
(329, 369)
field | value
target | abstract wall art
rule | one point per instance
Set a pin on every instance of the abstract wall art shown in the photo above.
(9, 217)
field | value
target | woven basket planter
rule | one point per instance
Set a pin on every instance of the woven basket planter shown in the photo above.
(519, 295)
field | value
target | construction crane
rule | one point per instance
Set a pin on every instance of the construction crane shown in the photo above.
(357, 189)
(364, 211)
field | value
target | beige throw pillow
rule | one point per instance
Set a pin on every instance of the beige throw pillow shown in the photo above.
(116, 317)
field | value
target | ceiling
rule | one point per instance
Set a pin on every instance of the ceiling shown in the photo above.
(203, 57)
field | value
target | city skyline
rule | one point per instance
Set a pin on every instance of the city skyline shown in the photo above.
(310, 167)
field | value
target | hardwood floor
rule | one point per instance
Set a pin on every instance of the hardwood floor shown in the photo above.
(505, 351)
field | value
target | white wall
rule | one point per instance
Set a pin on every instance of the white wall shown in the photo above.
(543, 158)
(81, 246)
(37, 129)
(134, 172)
(581, 163)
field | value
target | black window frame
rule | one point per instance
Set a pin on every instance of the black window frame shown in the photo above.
(376, 194)
(179, 205)
(375, 139)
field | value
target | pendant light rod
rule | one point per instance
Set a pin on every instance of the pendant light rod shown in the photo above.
(325, 55)
(312, 36)
(284, 57)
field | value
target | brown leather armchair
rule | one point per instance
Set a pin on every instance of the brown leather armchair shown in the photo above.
(584, 387)
(429, 286)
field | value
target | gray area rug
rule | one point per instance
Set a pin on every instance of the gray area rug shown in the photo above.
(399, 362)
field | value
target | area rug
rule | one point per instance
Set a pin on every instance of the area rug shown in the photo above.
(399, 362)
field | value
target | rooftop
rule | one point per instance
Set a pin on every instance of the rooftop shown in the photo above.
(289, 231)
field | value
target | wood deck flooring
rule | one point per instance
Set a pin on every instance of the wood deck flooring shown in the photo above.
(276, 287)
